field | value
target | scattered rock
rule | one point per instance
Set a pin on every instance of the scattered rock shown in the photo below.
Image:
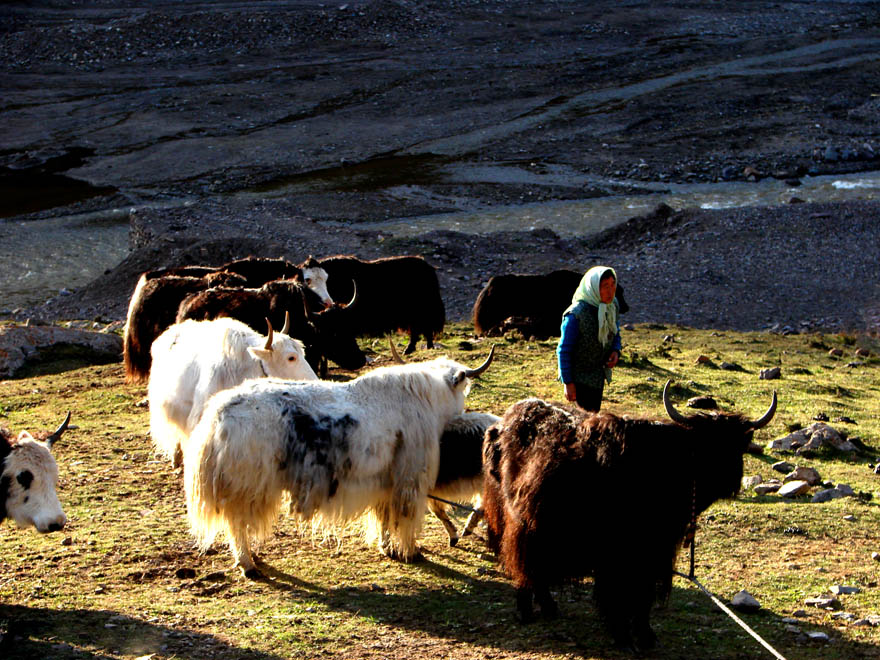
(745, 602)
(767, 487)
(702, 403)
(748, 483)
(794, 489)
(770, 374)
(810, 475)
(823, 602)
(818, 636)
(811, 438)
(850, 518)
(783, 466)
(840, 590)
(830, 494)
(703, 359)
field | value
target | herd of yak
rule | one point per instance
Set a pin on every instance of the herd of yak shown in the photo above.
(234, 357)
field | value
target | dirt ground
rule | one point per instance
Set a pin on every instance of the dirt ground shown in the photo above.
(244, 127)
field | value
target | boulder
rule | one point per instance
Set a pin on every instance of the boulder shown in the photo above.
(22, 343)
(794, 489)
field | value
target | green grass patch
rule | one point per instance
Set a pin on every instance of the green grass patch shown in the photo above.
(123, 580)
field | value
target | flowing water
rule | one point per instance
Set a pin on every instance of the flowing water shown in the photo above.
(45, 258)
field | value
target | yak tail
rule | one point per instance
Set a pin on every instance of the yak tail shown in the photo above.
(135, 346)
(226, 492)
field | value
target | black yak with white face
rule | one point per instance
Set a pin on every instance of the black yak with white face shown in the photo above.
(394, 293)
(537, 300)
(568, 494)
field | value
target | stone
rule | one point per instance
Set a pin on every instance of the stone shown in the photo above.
(842, 590)
(745, 602)
(702, 403)
(827, 495)
(783, 466)
(823, 602)
(794, 489)
(813, 437)
(808, 474)
(770, 374)
(748, 483)
(767, 487)
(18, 344)
(818, 636)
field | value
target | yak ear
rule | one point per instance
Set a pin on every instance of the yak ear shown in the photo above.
(260, 353)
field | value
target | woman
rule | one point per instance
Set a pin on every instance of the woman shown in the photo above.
(589, 345)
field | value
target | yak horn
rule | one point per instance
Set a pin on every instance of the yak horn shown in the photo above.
(61, 429)
(394, 354)
(767, 416)
(268, 345)
(354, 294)
(473, 373)
(286, 328)
(674, 415)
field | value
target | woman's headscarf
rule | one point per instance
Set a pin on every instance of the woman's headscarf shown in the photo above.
(588, 292)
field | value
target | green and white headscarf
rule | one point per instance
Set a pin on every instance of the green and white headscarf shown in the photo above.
(588, 292)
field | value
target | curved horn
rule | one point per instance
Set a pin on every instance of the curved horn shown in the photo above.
(473, 373)
(674, 415)
(767, 416)
(354, 294)
(286, 328)
(268, 345)
(394, 354)
(61, 429)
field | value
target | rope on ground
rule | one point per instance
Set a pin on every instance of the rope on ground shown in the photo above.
(733, 616)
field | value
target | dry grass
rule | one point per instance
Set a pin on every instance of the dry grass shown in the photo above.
(123, 580)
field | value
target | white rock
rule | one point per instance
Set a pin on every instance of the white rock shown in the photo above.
(840, 589)
(808, 474)
(794, 488)
(750, 482)
(818, 636)
(18, 343)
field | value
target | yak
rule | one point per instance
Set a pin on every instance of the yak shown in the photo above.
(194, 360)
(394, 293)
(369, 445)
(638, 485)
(536, 301)
(28, 479)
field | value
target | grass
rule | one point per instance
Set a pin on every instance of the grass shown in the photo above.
(123, 580)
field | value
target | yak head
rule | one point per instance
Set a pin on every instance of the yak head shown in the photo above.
(718, 442)
(282, 356)
(28, 480)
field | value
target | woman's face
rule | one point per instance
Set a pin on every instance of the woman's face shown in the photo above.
(607, 288)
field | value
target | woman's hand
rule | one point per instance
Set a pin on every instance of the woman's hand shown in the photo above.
(612, 360)
(570, 392)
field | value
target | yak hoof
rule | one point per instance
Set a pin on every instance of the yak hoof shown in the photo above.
(453, 542)
(252, 573)
(646, 640)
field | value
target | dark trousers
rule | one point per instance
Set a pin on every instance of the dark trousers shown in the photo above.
(588, 398)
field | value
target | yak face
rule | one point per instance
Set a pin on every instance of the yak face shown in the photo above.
(284, 358)
(334, 337)
(315, 279)
(27, 486)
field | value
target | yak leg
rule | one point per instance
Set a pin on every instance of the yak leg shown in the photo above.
(524, 611)
(413, 341)
(241, 552)
(440, 512)
(472, 522)
(177, 461)
(610, 598)
(549, 609)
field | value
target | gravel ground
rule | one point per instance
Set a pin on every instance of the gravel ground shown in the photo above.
(795, 267)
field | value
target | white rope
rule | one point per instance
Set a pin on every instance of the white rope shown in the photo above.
(733, 616)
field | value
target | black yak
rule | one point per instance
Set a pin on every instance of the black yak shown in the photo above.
(327, 333)
(537, 302)
(568, 494)
(394, 293)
